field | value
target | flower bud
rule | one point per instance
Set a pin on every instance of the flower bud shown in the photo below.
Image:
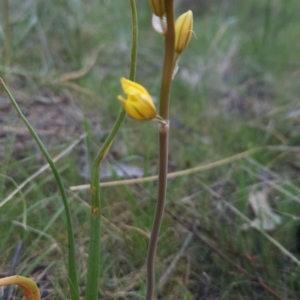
(183, 31)
(139, 104)
(158, 7)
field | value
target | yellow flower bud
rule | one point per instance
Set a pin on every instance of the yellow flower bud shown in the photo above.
(139, 104)
(158, 7)
(183, 31)
(28, 286)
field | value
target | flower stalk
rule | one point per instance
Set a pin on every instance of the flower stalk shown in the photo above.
(94, 246)
(163, 145)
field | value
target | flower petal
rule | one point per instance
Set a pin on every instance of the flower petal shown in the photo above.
(28, 286)
(138, 104)
(130, 87)
(159, 24)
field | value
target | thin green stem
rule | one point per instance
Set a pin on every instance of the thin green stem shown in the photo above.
(134, 40)
(94, 247)
(6, 52)
(72, 262)
(163, 147)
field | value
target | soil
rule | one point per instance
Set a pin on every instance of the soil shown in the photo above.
(55, 117)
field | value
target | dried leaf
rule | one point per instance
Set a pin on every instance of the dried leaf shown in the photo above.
(121, 170)
(265, 217)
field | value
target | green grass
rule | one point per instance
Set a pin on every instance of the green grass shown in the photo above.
(237, 89)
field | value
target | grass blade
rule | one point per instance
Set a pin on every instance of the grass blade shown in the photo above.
(72, 263)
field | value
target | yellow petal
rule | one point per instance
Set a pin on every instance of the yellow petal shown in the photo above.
(158, 7)
(139, 112)
(183, 31)
(121, 98)
(138, 104)
(140, 107)
(28, 286)
(130, 87)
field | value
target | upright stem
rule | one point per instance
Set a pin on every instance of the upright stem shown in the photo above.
(94, 247)
(168, 62)
(163, 146)
(6, 52)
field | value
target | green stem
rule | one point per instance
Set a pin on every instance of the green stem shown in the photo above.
(72, 262)
(6, 52)
(163, 147)
(134, 40)
(94, 247)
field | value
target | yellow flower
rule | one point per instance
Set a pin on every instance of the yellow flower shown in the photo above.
(158, 7)
(183, 31)
(139, 104)
(28, 286)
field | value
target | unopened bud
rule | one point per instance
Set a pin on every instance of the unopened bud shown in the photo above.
(158, 7)
(183, 31)
(139, 104)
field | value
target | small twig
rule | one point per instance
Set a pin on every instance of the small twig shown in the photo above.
(259, 229)
(268, 289)
(78, 88)
(186, 172)
(193, 229)
(271, 131)
(24, 131)
(86, 68)
(42, 169)
(38, 232)
(220, 253)
(173, 264)
(264, 233)
(136, 229)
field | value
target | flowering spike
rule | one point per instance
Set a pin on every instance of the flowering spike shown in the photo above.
(139, 104)
(183, 31)
(158, 7)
